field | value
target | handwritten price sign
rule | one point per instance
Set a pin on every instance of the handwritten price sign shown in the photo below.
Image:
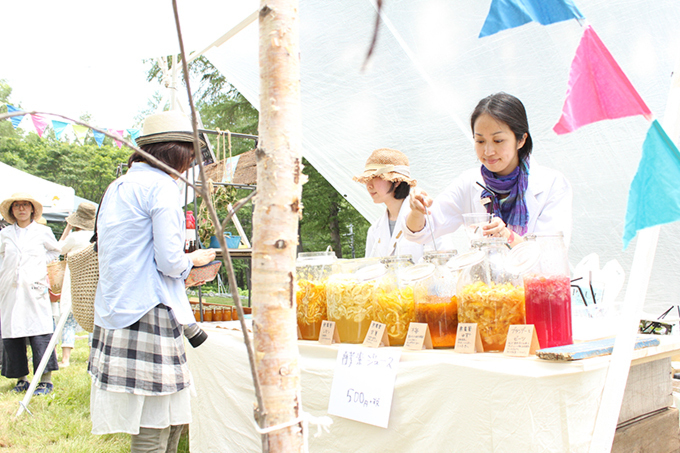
(363, 384)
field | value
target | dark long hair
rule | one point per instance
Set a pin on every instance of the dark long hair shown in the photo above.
(178, 155)
(508, 109)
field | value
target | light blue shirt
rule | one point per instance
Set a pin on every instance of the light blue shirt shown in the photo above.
(141, 249)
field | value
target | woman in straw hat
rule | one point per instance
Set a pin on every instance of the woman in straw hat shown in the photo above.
(26, 248)
(387, 177)
(522, 198)
(76, 236)
(141, 380)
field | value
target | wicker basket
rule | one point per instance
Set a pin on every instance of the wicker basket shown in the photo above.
(84, 267)
(55, 274)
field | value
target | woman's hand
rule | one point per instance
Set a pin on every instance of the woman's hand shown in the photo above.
(202, 257)
(419, 201)
(496, 228)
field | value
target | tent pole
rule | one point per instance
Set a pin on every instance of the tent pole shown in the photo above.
(641, 269)
(227, 36)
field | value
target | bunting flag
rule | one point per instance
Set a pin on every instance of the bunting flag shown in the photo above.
(15, 119)
(598, 88)
(504, 14)
(59, 128)
(80, 132)
(654, 196)
(40, 124)
(119, 133)
(98, 137)
(134, 133)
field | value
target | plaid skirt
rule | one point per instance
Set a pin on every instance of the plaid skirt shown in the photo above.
(146, 358)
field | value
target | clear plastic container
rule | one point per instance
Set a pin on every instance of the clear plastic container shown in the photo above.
(547, 291)
(312, 272)
(490, 294)
(434, 293)
(350, 291)
(393, 304)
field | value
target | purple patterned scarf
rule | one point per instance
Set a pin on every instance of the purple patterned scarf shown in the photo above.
(513, 208)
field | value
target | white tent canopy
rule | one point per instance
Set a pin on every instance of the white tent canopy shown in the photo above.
(428, 71)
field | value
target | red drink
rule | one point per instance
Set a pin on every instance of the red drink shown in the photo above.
(548, 308)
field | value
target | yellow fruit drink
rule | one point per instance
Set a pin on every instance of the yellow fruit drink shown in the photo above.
(493, 308)
(350, 307)
(311, 307)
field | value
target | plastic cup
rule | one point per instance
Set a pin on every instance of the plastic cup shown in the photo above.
(474, 223)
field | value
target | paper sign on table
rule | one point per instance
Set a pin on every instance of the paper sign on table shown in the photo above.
(376, 336)
(468, 339)
(328, 334)
(363, 383)
(522, 340)
(418, 337)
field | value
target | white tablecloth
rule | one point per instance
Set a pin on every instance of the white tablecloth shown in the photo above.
(443, 401)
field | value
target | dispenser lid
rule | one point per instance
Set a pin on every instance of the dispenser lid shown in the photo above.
(523, 257)
(370, 272)
(465, 260)
(315, 258)
(415, 273)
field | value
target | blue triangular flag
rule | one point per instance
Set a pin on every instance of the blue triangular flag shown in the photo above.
(98, 137)
(505, 14)
(15, 119)
(654, 197)
(59, 128)
(134, 133)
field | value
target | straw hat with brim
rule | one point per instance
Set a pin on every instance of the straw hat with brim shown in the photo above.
(6, 206)
(388, 164)
(84, 216)
(170, 126)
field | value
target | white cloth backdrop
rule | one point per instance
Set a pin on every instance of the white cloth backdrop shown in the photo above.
(429, 70)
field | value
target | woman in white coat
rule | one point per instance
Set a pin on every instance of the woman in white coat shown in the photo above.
(388, 180)
(25, 249)
(523, 198)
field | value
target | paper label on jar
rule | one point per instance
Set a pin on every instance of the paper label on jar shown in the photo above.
(522, 340)
(376, 335)
(418, 337)
(328, 334)
(363, 384)
(468, 340)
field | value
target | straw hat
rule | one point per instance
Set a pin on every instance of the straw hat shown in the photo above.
(169, 126)
(6, 206)
(388, 164)
(84, 216)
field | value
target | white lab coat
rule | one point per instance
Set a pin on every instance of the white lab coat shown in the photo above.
(548, 198)
(24, 302)
(379, 241)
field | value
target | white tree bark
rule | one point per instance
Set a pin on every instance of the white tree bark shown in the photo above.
(275, 221)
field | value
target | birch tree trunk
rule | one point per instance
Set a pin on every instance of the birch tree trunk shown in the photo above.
(275, 223)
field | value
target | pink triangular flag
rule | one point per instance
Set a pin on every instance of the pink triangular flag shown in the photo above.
(40, 124)
(598, 88)
(119, 133)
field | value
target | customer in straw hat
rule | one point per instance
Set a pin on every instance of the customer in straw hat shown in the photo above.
(387, 177)
(76, 237)
(25, 311)
(141, 380)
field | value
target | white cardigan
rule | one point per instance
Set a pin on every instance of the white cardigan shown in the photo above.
(548, 198)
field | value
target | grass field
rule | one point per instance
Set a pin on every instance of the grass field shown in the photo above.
(60, 421)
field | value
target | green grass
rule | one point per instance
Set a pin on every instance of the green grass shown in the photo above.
(61, 420)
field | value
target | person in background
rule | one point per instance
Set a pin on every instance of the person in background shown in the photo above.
(76, 236)
(387, 177)
(26, 248)
(523, 196)
(140, 376)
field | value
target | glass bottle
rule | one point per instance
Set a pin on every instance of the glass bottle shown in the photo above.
(547, 290)
(350, 291)
(393, 304)
(435, 298)
(490, 294)
(312, 271)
